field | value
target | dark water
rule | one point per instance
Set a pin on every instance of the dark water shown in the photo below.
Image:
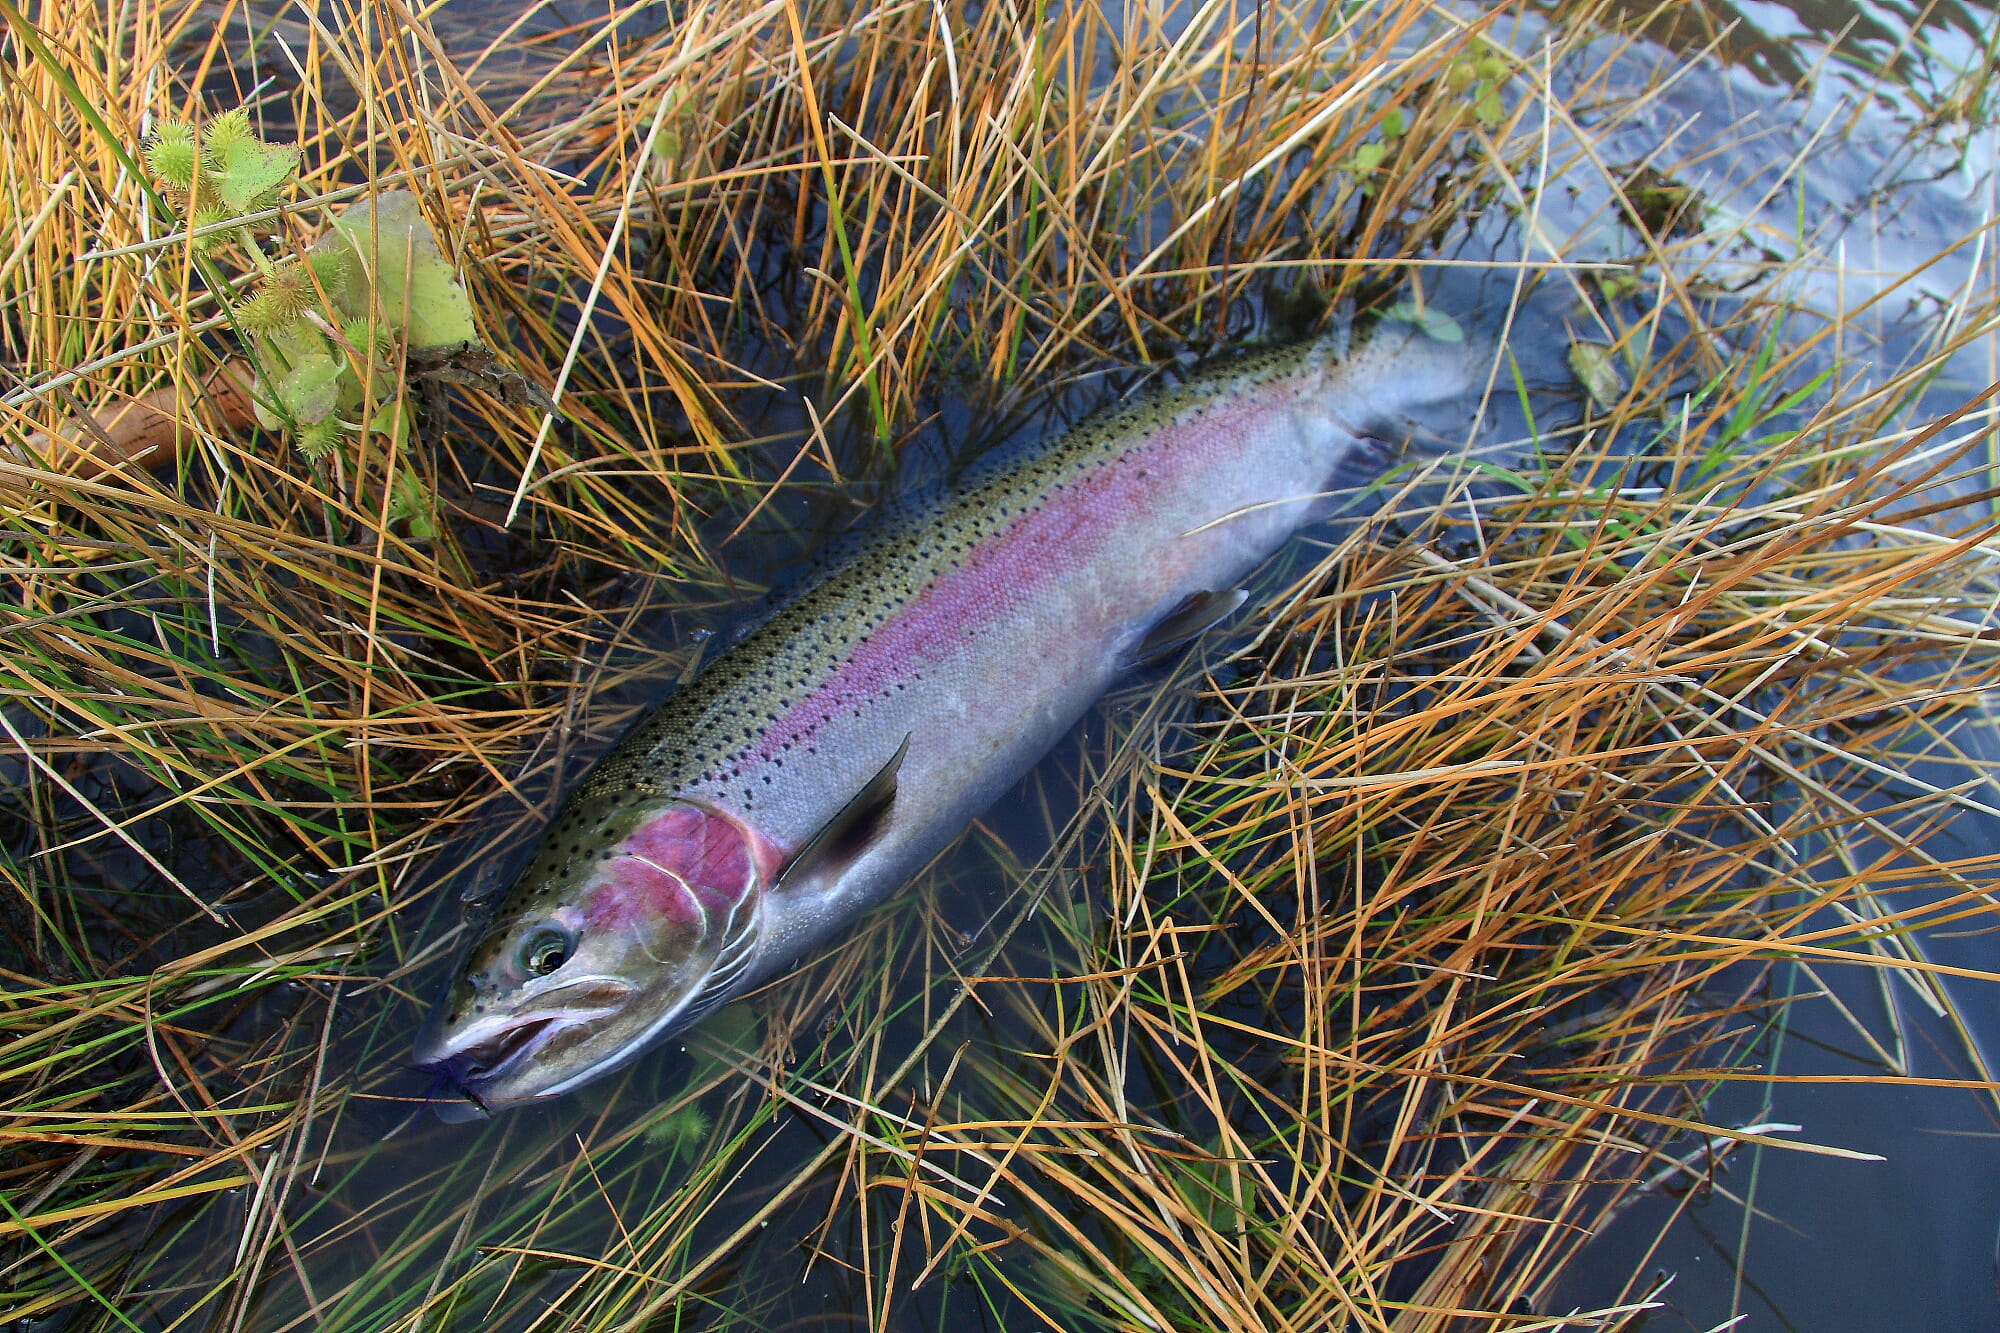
(1813, 1243)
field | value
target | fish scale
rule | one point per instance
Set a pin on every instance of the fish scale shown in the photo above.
(818, 763)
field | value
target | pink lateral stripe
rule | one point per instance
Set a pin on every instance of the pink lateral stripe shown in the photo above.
(1004, 572)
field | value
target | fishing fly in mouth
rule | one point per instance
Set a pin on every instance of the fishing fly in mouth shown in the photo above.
(824, 759)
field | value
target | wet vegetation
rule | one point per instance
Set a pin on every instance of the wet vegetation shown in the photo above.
(1349, 978)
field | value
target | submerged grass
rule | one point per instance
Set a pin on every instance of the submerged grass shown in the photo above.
(1358, 997)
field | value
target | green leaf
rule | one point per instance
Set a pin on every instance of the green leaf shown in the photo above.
(1206, 1187)
(1617, 284)
(1597, 372)
(1488, 110)
(410, 502)
(310, 390)
(251, 174)
(1433, 322)
(392, 419)
(1393, 123)
(1440, 326)
(393, 269)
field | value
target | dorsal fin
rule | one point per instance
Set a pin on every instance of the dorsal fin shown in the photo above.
(1196, 612)
(848, 834)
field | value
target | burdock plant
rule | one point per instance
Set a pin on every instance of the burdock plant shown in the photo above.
(320, 327)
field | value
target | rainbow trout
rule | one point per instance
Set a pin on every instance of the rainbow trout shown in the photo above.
(819, 763)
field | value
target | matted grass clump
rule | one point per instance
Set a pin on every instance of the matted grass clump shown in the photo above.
(1372, 964)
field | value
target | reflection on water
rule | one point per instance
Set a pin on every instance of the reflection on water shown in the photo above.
(1875, 195)
(1905, 55)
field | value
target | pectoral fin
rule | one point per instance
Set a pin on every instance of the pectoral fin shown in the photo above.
(848, 834)
(1195, 613)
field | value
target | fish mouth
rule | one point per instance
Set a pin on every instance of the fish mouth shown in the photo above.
(488, 1059)
(479, 1064)
(470, 1068)
(462, 1075)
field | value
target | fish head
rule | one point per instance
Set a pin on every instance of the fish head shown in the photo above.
(619, 932)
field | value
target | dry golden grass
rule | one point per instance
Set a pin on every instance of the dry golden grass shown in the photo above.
(1358, 1000)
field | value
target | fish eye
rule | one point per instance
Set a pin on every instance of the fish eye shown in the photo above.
(546, 949)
